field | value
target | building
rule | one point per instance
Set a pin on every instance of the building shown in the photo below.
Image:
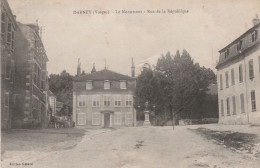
(104, 99)
(239, 79)
(7, 47)
(31, 84)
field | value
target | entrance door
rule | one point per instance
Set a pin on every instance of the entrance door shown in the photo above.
(106, 120)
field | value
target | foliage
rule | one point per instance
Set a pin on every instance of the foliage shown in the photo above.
(61, 85)
(176, 86)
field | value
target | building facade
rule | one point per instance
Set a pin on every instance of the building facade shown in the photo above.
(239, 79)
(7, 47)
(31, 84)
(103, 99)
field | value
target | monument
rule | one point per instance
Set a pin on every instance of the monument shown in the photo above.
(146, 115)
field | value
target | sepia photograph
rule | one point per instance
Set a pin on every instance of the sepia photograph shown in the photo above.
(130, 83)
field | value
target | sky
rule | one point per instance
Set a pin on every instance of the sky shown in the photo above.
(114, 39)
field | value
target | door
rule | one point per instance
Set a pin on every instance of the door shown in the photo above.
(106, 120)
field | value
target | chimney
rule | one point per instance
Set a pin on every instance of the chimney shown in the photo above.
(78, 68)
(133, 68)
(256, 20)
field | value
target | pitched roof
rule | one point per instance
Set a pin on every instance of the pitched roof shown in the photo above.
(104, 74)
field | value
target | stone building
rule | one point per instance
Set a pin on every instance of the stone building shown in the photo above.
(31, 84)
(7, 48)
(239, 79)
(104, 99)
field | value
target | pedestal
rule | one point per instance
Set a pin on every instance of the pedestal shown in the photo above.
(146, 119)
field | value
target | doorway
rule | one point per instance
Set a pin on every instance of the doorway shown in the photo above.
(107, 120)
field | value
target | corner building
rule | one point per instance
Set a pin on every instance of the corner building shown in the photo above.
(103, 99)
(239, 79)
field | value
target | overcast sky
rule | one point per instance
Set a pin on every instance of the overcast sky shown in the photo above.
(208, 27)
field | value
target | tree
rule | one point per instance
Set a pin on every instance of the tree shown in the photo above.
(176, 86)
(61, 85)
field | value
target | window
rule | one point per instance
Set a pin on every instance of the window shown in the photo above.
(6, 106)
(95, 100)
(117, 100)
(107, 84)
(239, 45)
(117, 118)
(106, 100)
(8, 67)
(95, 118)
(227, 53)
(82, 101)
(3, 25)
(89, 85)
(254, 36)
(232, 77)
(242, 103)
(228, 107)
(259, 63)
(128, 100)
(227, 84)
(9, 33)
(3, 61)
(234, 104)
(12, 40)
(81, 119)
(122, 84)
(240, 73)
(251, 69)
(128, 118)
(253, 102)
(221, 84)
(222, 108)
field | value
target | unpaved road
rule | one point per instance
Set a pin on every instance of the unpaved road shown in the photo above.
(154, 147)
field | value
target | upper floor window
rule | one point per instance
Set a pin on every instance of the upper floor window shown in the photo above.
(253, 102)
(123, 84)
(6, 105)
(240, 69)
(227, 83)
(221, 82)
(95, 100)
(82, 101)
(89, 85)
(3, 25)
(254, 35)
(8, 67)
(232, 77)
(227, 53)
(128, 100)
(106, 84)
(251, 69)
(106, 100)
(117, 100)
(239, 45)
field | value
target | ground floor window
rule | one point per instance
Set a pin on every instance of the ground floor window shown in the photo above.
(81, 119)
(253, 102)
(222, 108)
(6, 106)
(129, 118)
(117, 118)
(242, 103)
(234, 104)
(95, 118)
(228, 107)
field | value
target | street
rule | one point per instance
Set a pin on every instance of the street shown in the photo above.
(142, 147)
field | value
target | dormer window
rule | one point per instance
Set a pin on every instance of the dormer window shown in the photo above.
(227, 53)
(106, 84)
(239, 45)
(89, 85)
(254, 36)
(122, 84)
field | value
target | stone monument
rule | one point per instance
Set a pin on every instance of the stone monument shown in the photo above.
(146, 115)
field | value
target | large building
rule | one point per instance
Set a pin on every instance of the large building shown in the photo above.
(7, 47)
(103, 99)
(239, 79)
(31, 84)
